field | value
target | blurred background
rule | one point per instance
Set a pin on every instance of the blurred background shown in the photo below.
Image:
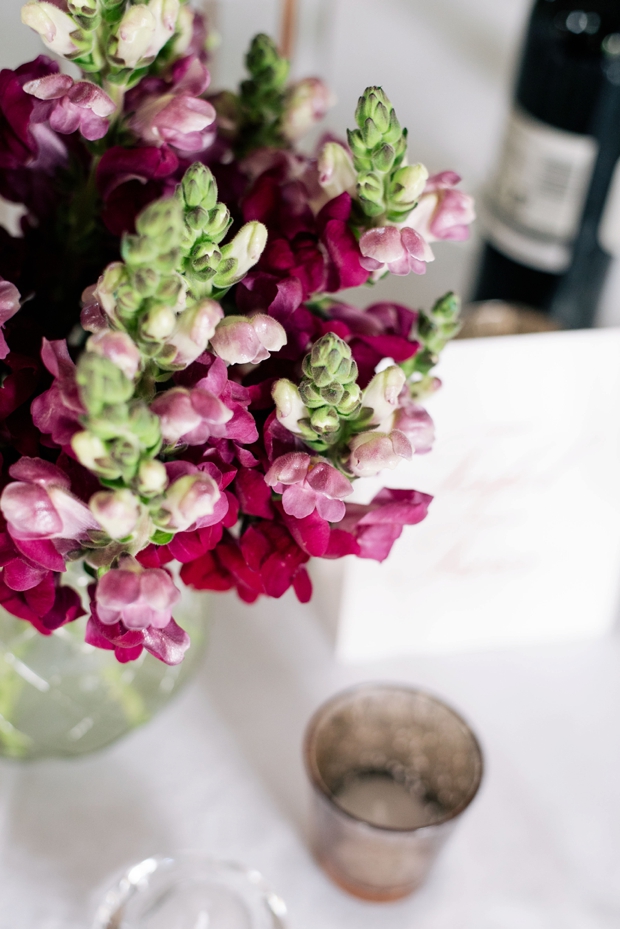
(447, 65)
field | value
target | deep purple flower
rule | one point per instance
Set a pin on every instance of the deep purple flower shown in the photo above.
(130, 178)
(383, 330)
(9, 305)
(308, 484)
(57, 411)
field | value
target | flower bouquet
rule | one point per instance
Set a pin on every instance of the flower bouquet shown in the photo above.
(180, 386)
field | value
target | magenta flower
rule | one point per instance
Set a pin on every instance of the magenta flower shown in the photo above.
(136, 596)
(191, 417)
(173, 112)
(38, 503)
(57, 411)
(400, 251)
(383, 330)
(370, 531)
(168, 645)
(371, 452)
(69, 105)
(210, 373)
(308, 484)
(243, 340)
(9, 305)
(443, 213)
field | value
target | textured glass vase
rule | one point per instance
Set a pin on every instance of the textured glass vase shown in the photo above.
(62, 697)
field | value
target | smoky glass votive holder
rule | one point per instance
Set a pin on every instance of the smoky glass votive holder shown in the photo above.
(391, 769)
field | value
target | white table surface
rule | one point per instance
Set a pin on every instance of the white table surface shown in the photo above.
(220, 771)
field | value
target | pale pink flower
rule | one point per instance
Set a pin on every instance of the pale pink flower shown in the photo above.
(371, 452)
(308, 484)
(136, 596)
(307, 102)
(191, 416)
(443, 213)
(69, 105)
(194, 328)
(414, 421)
(38, 503)
(388, 248)
(242, 339)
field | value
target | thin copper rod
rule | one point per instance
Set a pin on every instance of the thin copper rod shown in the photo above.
(287, 31)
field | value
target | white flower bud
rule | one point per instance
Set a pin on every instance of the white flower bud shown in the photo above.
(152, 477)
(159, 323)
(116, 511)
(135, 34)
(382, 393)
(53, 25)
(247, 247)
(336, 171)
(289, 405)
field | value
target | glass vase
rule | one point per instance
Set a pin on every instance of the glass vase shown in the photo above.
(62, 697)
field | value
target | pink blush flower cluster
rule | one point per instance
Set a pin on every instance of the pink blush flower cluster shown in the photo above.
(185, 397)
(308, 484)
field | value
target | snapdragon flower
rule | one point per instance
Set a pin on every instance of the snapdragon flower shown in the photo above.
(308, 484)
(372, 452)
(53, 24)
(243, 340)
(138, 597)
(399, 251)
(38, 503)
(70, 105)
(443, 212)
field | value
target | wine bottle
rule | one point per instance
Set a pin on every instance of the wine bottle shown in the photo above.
(551, 218)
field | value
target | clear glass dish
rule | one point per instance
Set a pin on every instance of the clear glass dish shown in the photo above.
(189, 890)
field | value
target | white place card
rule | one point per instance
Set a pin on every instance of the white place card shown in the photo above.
(522, 540)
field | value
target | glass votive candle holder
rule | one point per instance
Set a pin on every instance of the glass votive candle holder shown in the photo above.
(391, 769)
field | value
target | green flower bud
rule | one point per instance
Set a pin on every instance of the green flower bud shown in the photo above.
(374, 104)
(145, 281)
(172, 290)
(219, 222)
(325, 420)
(198, 187)
(330, 381)
(406, 186)
(447, 308)
(370, 193)
(126, 455)
(101, 383)
(263, 61)
(350, 403)
(371, 134)
(168, 261)
(145, 426)
(161, 220)
(383, 159)
(138, 249)
(128, 300)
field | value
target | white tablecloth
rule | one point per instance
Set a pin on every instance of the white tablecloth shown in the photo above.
(220, 770)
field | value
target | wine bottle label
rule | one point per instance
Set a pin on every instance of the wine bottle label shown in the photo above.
(609, 229)
(537, 197)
